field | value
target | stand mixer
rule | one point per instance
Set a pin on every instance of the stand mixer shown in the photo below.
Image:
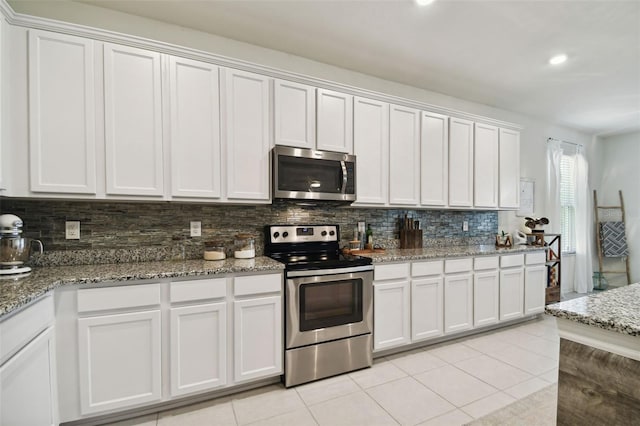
(14, 249)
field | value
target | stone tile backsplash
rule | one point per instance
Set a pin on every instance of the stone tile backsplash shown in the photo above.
(115, 232)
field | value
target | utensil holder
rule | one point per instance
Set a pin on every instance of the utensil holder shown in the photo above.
(411, 238)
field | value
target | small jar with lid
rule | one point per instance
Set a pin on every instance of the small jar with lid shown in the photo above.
(244, 246)
(214, 250)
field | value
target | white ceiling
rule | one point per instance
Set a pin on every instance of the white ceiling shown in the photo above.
(491, 52)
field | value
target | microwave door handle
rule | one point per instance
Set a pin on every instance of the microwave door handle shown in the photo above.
(344, 177)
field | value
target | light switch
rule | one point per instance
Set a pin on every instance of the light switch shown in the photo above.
(465, 225)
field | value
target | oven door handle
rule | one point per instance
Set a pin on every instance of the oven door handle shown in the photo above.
(320, 272)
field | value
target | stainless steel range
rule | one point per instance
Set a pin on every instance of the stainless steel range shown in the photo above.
(328, 302)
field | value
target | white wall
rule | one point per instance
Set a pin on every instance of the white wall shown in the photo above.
(620, 170)
(533, 136)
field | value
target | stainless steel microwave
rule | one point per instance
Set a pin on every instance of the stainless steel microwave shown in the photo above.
(313, 175)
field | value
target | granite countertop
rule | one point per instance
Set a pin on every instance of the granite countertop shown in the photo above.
(18, 292)
(615, 310)
(399, 255)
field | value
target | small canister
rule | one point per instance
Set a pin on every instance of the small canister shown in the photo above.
(214, 250)
(244, 246)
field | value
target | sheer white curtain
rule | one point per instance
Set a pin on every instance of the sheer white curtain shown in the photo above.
(584, 224)
(583, 209)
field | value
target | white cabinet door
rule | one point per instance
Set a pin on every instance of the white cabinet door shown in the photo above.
(434, 159)
(195, 129)
(371, 147)
(458, 303)
(119, 360)
(294, 114)
(460, 163)
(404, 156)
(257, 338)
(198, 348)
(391, 314)
(486, 298)
(509, 169)
(485, 179)
(133, 121)
(511, 293)
(426, 308)
(335, 121)
(246, 117)
(28, 386)
(535, 281)
(61, 113)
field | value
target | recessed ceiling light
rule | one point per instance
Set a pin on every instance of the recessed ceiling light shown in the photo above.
(558, 59)
(424, 2)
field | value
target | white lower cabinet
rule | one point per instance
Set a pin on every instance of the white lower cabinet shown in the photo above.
(391, 314)
(511, 287)
(486, 291)
(535, 281)
(198, 354)
(119, 357)
(458, 302)
(426, 307)
(257, 333)
(28, 377)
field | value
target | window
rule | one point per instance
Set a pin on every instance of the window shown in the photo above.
(568, 201)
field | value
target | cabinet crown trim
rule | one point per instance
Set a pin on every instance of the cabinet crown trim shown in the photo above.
(34, 22)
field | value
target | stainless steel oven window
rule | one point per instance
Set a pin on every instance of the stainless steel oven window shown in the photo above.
(330, 304)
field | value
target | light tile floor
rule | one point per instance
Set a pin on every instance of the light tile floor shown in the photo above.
(452, 383)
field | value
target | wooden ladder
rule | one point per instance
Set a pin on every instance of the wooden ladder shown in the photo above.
(597, 209)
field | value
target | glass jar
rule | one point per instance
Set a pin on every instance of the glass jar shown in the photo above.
(244, 246)
(214, 250)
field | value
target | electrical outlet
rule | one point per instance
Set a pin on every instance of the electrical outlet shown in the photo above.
(465, 225)
(72, 229)
(196, 228)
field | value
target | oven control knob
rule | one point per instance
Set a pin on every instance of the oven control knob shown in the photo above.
(285, 234)
(324, 233)
(276, 234)
(332, 233)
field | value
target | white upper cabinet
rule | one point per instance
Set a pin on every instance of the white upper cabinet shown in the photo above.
(371, 147)
(62, 142)
(247, 144)
(294, 114)
(460, 163)
(404, 156)
(133, 121)
(509, 169)
(485, 153)
(195, 129)
(335, 121)
(434, 159)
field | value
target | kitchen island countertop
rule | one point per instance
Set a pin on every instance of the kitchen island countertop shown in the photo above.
(18, 292)
(614, 310)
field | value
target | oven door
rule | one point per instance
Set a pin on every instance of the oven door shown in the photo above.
(321, 308)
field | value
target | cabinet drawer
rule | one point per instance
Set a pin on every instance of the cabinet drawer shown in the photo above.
(536, 258)
(132, 296)
(512, 260)
(185, 291)
(458, 265)
(20, 328)
(256, 284)
(419, 269)
(390, 272)
(485, 262)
